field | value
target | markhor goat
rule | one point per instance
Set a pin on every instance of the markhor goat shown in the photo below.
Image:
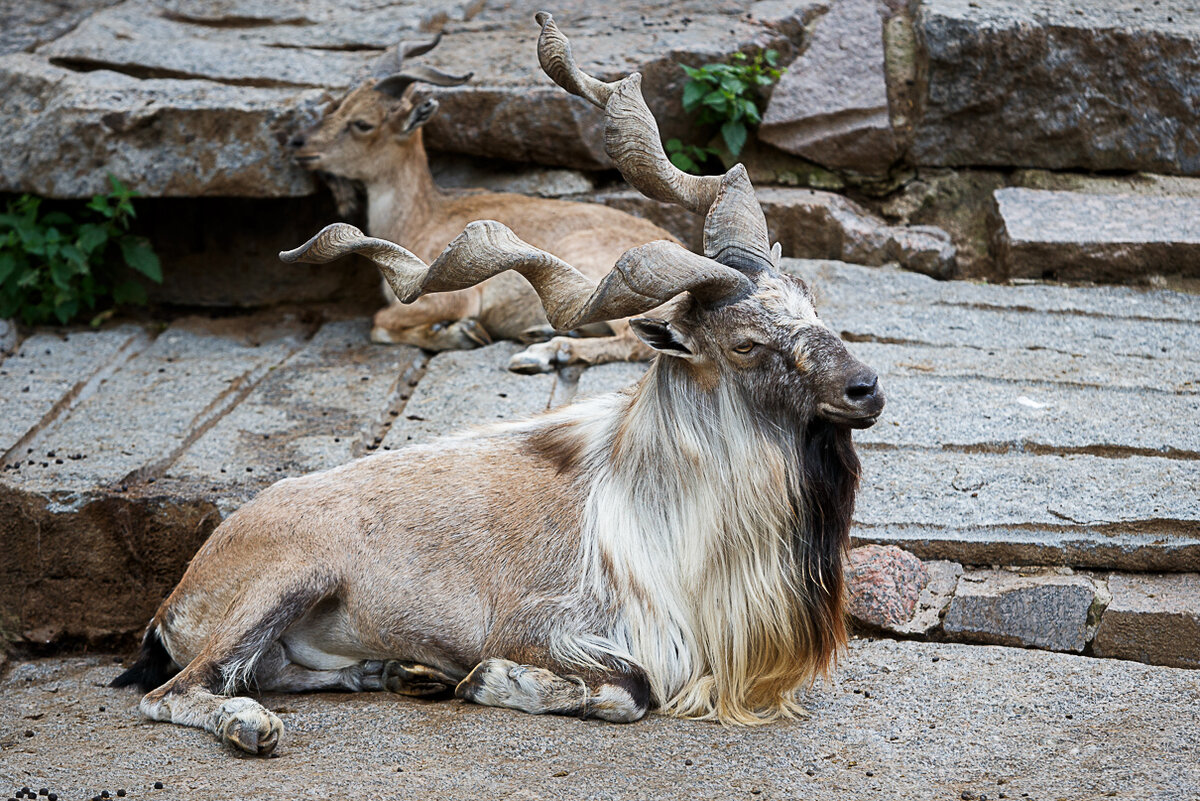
(675, 545)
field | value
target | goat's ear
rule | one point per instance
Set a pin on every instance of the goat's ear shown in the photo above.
(421, 114)
(663, 336)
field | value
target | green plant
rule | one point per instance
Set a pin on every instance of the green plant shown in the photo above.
(726, 95)
(53, 266)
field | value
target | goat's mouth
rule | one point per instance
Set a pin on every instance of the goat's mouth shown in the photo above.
(851, 418)
(307, 160)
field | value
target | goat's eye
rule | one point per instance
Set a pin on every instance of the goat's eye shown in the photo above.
(745, 347)
(361, 125)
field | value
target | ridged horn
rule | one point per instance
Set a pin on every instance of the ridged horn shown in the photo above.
(395, 76)
(643, 278)
(631, 139)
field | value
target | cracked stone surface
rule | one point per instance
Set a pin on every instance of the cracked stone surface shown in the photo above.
(899, 720)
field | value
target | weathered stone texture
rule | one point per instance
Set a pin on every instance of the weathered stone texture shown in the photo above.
(812, 224)
(831, 106)
(1076, 235)
(25, 24)
(466, 388)
(883, 584)
(934, 598)
(1044, 610)
(65, 131)
(1152, 618)
(327, 404)
(1061, 85)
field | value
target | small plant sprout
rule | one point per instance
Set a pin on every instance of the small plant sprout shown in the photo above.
(54, 266)
(726, 95)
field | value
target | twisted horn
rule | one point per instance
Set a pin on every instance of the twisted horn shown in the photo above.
(394, 77)
(643, 278)
(734, 228)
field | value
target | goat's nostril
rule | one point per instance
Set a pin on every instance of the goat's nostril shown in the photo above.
(297, 142)
(862, 386)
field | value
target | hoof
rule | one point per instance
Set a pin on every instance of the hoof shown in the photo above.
(247, 726)
(475, 332)
(417, 681)
(543, 357)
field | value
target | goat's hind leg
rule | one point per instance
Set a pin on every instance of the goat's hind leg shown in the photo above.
(619, 693)
(201, 694)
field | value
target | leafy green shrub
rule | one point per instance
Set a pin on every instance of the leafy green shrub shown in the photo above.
(53, 266)
(726, 95)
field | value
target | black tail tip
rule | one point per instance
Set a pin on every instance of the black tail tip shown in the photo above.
(153, 666)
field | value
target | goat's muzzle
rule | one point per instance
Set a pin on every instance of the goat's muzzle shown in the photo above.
(861, 402)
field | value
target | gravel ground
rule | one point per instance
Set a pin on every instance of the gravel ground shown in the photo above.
(899, 720)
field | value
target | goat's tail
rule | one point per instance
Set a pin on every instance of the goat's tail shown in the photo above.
(153, 666)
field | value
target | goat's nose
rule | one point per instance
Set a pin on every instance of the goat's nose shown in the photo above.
(862, 386)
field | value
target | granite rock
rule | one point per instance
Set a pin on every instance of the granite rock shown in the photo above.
(831, 106)
(1096, 237)
(1059, 85)
(1041, 610)
(883, 585)
(1152, 618)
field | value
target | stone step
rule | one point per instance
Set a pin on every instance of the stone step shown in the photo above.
(1077, 235)
(327, 404)
(1154, 619)
(142, 416)
(1137, 513)
(468, 388)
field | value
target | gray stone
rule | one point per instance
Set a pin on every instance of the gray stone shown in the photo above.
(1042, 610)
(840, 286)
(9, 337)
(50, 372)
(1060, 85)
(66, 130)
(883, 583)
(468, 388)
(1032, 367)
(1014, 413)
(611, 377)
(330, 402)
(1152, 618)
(831, 106)
(1012, 508)
(454, 171)
(143, 415)
(812, 224)
(25, 24)
(925, 729)
(934, 598)
(1076, 235)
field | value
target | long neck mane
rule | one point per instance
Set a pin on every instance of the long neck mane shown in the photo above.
(724, 525)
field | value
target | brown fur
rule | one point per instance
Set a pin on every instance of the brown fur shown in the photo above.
(404, 205)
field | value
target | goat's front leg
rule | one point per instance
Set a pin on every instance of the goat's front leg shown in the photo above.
(620, 694)
(445, 321)
(562, 351)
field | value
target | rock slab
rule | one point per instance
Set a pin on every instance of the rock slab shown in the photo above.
(831, 106)
(1060, 85)
(1152, 618)
(1097, 237)
(1043, 610)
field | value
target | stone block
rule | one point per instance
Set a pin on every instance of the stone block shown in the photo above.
(1153, 619)
(934, 598)
(883, 584)
(50, 371)
(831, 106)
(466, 388)
(143, 415)
(327, 404)
(1043, 610)
(1096, 237)
(1059, 85)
